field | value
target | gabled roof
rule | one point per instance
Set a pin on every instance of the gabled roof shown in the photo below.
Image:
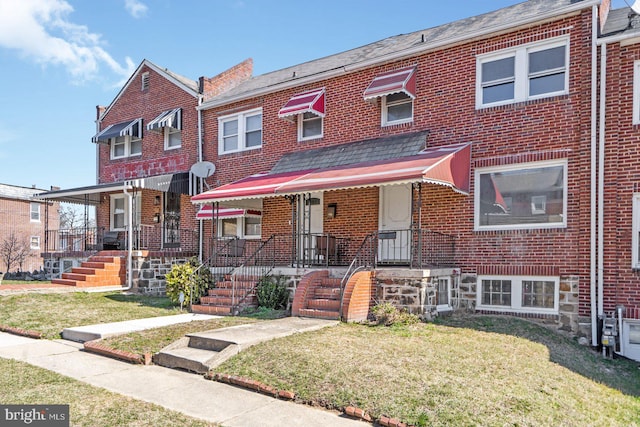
(188, 85)
(402, 46)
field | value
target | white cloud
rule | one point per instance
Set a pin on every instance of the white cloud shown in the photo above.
(136, 8)
(40, 30)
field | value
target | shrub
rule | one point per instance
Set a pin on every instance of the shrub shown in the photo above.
(387, 314)
(272, 292)
(184, 278)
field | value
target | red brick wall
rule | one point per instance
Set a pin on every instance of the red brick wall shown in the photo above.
(15, 217)
(551, 128)
(622, 180)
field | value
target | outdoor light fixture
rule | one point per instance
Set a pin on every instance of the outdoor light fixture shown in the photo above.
(332, 210)
(156, 217)
(156, 201)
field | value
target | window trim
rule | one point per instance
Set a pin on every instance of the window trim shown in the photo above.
(137, 205)
(128, 141)
(521, 76)
(301, 120)
(31, 212)
(385, 111)
(516, 167)
(635, 236)
(167, 133)
(516, 294)
(448, 306)
(240, 229)
(37, 240)
(636, 93)
(241, 118)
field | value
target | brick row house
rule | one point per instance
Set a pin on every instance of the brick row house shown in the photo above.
(463, 167)
(22, 234)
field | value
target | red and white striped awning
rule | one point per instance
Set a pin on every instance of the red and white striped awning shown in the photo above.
(448, 166)
(402, 80)
(207, 211)
(306, 102)
(252, 187)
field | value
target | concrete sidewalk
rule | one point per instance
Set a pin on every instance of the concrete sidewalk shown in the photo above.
(180, 391)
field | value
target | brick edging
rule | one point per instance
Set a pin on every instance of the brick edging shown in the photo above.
(254, 385)
(96, 347)
(22, 332)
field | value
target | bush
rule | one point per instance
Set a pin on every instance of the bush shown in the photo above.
(387, 314)
(182, 278)
(272, 292)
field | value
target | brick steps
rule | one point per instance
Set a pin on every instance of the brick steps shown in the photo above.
(219, 300)
(98, 270)
(323, 299)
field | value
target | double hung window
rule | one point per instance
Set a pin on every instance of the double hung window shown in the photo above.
(240, 132)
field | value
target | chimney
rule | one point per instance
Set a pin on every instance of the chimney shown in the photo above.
(210, 87)
(603, 12)
(100, 111)
(54, 188)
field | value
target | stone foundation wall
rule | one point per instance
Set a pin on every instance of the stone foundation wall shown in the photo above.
(149, 273)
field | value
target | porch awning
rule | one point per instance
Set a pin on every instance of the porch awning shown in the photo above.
(169, 183)
(89, 195)
(131, 128)
(307, 102)
(402, 80)
(252, 187)
(448, 166)
(169, 118)
(206, 212)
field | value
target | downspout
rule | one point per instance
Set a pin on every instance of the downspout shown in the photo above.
(129, 239)
(200, 223)
(592, 227)
(601, 146)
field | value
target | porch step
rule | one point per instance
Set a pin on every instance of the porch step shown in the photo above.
(195, 353)
(98, 270)
(324, 304)
(211, 309)
(219, 300)
(319, 314)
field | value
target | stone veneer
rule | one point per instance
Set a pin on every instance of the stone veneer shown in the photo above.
(149, 272)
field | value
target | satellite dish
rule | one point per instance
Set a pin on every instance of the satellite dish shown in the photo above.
(203, 169)
(636, 7)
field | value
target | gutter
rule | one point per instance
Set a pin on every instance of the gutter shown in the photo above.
(420, 48)
(601, 146)
(129, 238)
(592, 227)
(200, 158)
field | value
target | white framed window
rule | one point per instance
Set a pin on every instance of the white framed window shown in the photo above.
(172, 138)
(310, 126)
(34, 212)
(443, 294)
(125, 146)
(535, 294)
(397, 108)
(35, 242)
(531, 71)
(635, 236)
(119, 211)
(144, 81)
(249, 227)
(240, 132)
(521, 196)
(636, 92)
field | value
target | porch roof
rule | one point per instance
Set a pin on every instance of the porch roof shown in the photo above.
(448, 165)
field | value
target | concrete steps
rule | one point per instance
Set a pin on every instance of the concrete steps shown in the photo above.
(195, 353)
(103, 269)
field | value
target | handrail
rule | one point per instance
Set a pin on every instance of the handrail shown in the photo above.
(257, 269)
(368, 252)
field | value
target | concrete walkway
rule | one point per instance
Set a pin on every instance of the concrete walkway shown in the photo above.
(180, 391)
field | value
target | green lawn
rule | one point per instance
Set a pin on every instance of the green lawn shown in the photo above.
(89, 406)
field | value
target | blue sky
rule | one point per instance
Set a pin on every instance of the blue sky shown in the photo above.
(61, 58)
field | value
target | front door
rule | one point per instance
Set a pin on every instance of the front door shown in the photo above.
(394, 237)
(171, 224)
(310, 218)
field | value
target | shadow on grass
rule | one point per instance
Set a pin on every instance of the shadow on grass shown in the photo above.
(620, 373)
(144, 300)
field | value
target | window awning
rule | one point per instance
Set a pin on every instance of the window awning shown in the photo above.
(206, 212)
(252, 187)
(403, 80)
(448, 166)
(132, 128)
(169, 118)
(307, 102)
(169, 183)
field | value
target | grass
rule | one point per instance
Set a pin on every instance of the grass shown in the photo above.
(25, 282)
(89, 406)
(51, 313)
(475, 370)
